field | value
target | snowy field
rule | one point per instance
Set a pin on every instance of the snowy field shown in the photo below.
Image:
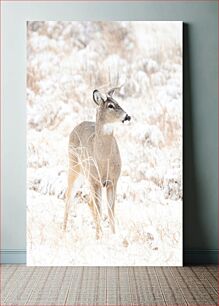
(66, 61)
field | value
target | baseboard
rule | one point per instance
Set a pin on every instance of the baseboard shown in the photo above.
(190, 257)
(200, 257)
(13, 256)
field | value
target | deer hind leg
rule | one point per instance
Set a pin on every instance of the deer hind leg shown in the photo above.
(95, 206)
(73, 172)
(111, 195)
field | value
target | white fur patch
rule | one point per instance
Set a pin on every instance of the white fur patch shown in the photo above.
(108, 128)
(126, 122)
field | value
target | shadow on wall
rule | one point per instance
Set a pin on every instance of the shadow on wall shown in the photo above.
(192, 224)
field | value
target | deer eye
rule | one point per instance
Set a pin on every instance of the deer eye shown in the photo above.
(110, 105)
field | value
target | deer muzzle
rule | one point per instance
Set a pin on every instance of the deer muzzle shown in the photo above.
(127, 118)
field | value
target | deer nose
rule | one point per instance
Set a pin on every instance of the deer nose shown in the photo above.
(127, 118)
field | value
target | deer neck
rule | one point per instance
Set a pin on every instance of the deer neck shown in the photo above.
(104, 139)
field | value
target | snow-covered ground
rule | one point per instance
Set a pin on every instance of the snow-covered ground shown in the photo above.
(66, 61)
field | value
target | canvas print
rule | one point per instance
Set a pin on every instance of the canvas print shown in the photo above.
(104, 143)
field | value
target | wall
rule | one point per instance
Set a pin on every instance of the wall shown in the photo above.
(200, 112)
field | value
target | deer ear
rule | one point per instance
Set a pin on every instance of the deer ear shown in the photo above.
(111, 92)
(97, 97)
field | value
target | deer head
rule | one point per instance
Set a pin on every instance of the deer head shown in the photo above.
(109, 110)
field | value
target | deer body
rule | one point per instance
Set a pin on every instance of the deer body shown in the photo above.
(93, 151)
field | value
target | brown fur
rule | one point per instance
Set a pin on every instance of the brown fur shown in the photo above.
(95, 152)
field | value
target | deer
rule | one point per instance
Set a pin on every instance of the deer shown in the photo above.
(93, 152)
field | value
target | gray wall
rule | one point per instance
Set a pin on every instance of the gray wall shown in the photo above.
(200, 112)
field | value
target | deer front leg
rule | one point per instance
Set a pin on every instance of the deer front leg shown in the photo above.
(95, 206)
(74, 171)
(111, 196)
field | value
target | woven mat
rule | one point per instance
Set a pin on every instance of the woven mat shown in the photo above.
(23, 285)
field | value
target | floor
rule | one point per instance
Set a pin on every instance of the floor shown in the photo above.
(23, 285)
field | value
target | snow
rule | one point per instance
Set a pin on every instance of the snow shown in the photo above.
(66, 61)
